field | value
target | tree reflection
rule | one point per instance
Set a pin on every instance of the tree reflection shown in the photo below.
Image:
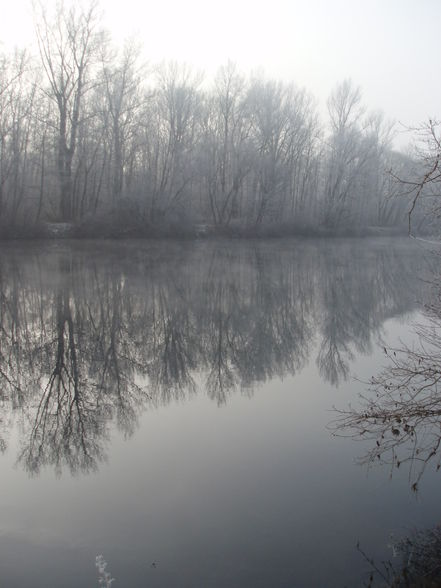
(67, 428)
(401, 415)
(90, 338)
(417, 562)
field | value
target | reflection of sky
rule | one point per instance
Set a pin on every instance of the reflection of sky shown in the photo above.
(252, 493)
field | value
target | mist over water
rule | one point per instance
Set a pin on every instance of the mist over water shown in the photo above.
(187, 387)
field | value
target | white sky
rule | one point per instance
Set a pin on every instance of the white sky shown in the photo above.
(391, 48)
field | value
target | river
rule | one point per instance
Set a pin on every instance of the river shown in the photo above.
(168, 405)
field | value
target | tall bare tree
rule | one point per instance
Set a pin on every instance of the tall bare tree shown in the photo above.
(67, 44)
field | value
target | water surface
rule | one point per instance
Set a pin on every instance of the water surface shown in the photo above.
(167, 404)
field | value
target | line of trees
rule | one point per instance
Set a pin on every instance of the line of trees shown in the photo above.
(87, 131)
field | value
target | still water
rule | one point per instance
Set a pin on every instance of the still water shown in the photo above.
(168, 404)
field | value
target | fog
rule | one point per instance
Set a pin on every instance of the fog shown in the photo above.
(95, 136)
(389, 48)
(168, 344)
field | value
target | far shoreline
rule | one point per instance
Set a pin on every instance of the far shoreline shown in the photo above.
(99, 231)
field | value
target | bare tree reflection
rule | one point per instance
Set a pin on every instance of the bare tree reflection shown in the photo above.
(357, 302)
(401, 414)
(91, 337)
(67, 429)
(173, 357)
(415, 562)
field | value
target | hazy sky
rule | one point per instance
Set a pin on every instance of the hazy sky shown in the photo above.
(388, 47)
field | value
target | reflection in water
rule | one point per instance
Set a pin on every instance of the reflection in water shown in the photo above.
(89, 338)
(416, 562)
(401, 417)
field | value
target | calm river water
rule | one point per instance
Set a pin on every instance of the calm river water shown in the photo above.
(168, 404)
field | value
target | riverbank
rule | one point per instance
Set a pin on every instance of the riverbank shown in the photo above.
(114, 230)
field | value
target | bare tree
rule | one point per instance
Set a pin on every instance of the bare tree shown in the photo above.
(423, 187)
(17, 101)
(245, 152)
(226, 144)
(284, 136)
(170, 136)
(349, 150)
(401, 414)
(123, 99)
(67, 45)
